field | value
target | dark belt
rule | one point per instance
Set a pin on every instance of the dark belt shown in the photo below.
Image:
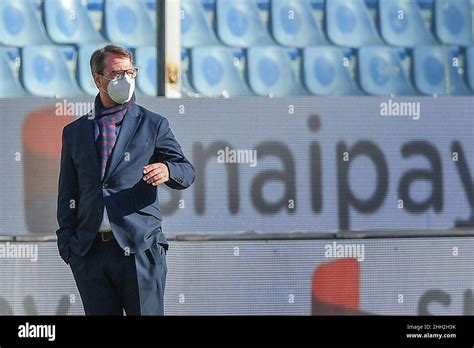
(105, 236)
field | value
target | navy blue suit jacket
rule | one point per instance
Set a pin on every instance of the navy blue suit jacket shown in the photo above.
(132, 204)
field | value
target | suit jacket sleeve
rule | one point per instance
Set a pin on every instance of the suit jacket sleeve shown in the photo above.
(67, 201)
(168, 151)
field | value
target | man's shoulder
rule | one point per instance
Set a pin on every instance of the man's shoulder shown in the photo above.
(70, 127)
(151, 115)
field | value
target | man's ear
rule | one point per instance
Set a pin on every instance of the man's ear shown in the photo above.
(96, 78)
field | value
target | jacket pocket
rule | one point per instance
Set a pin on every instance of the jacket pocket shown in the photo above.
(155, 254)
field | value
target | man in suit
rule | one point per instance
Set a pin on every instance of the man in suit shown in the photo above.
(112, 161)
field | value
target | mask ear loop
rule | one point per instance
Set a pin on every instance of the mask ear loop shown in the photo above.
(100, 87)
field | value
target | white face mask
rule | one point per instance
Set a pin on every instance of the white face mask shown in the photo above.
(121, 90)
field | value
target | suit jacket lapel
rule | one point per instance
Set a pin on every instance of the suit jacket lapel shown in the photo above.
(129, 126)
(90, 145)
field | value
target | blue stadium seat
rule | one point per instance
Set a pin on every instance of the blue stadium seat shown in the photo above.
(10, 85)
(95, 5)
(381, 71)
(186, 88)
(45, 73)
(20, 26)
(293, 24)
(239, 24)
(470, 66)
(83, 71)
(270, 72)
(127, 23)
(212, 72)
(145, 58)
(325, 71)
(401, 24)
(195, 30)
(349, 24)
(433, 70)
(67, 22)
(453, 22)
(457, 74)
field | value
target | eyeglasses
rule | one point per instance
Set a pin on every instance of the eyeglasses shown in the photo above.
(118, 74)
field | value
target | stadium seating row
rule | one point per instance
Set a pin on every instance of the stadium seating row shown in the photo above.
(330, 70)
(230, 48)
(68, 22)
(62, 71)
(52, 71)
(292, 23)
(242, 23)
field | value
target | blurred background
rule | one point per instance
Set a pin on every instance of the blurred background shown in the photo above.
(244, 47)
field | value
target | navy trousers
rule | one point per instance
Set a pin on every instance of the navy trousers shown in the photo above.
(111, 282)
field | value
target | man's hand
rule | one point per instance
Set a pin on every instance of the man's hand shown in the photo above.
(156, 173)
